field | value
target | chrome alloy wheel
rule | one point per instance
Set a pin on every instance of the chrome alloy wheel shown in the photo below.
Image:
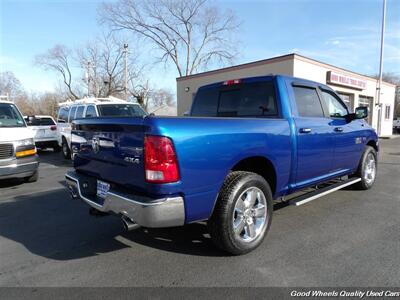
(250, 214)
(370, 169)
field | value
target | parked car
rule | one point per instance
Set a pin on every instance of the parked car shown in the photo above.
(45, 131)
(246, 143)
(18, 157)
(90, 108)
(396, 124)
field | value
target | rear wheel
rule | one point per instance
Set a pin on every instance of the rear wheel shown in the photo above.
(367, 169)
(242, 214)
(65, 149)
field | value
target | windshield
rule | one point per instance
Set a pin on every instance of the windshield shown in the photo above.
(10, 116)
(120, 110)
(255, 99)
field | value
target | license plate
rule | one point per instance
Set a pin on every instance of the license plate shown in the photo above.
(102, 188)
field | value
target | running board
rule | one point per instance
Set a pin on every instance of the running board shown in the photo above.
(322, 192)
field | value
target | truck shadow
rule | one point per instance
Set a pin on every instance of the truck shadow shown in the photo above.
(192, 239)
(52, 225)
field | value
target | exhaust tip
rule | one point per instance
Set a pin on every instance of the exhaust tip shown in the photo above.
(129, 224)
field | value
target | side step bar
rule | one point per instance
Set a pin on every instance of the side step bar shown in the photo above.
(322, 192)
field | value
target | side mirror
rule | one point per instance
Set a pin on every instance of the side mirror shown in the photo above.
(361, 112)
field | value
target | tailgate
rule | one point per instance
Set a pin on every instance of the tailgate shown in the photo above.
(42, 132)
(110, 149)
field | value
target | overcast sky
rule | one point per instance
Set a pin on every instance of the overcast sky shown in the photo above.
(345, 33)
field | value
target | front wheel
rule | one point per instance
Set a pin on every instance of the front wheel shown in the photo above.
(367, 169)
(243, 213)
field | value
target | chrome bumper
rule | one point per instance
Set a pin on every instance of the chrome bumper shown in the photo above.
(18, 168)
(165, 212)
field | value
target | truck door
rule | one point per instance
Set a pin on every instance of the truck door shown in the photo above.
(348, 135)
(315, 138)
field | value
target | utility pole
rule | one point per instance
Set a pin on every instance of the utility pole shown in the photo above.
(125, 51)
(378, 88)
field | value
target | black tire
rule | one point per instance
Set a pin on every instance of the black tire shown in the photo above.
(363, 169)
(33, 178)
(221, 223)
(65, 149)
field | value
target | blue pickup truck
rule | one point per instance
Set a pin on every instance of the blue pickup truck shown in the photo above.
(246, 144)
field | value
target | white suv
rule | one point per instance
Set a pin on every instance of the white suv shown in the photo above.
(45, 131)
(91, 108)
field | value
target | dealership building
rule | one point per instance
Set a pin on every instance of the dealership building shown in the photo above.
(355, 89)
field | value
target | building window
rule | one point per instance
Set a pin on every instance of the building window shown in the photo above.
(387, 112)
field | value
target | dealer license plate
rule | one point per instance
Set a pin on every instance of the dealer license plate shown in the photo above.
(102, 189)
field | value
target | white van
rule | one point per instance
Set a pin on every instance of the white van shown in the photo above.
(18, 158)
(91, 108)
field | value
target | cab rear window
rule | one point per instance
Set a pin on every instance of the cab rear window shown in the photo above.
(255, 99)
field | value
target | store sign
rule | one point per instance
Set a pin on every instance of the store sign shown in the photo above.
(344, 80)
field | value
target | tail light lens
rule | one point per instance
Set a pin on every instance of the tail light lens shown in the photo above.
(53, 128)
(160, 162)
(232, 82)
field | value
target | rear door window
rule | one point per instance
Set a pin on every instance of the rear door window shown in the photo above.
(79, 112)
(90, 111)
(307, 102)
(72, 114)
(255, 99)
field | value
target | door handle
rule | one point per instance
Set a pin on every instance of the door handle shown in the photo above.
(339, 129)
(305, 130)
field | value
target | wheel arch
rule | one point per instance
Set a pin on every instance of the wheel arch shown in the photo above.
(373, 144)
(261, 166)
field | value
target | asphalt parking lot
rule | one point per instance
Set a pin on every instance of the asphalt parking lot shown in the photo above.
(348, 238)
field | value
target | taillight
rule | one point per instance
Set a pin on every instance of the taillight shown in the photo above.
(232, 82)
(53, 128)
(160, 162)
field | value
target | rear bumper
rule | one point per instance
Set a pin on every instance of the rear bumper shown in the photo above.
(19, 168)
(164, 212)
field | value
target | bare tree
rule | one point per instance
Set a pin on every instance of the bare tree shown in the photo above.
(190, 33)
(106, 75)
(10, 85)
(162, 97)
(59, 59)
